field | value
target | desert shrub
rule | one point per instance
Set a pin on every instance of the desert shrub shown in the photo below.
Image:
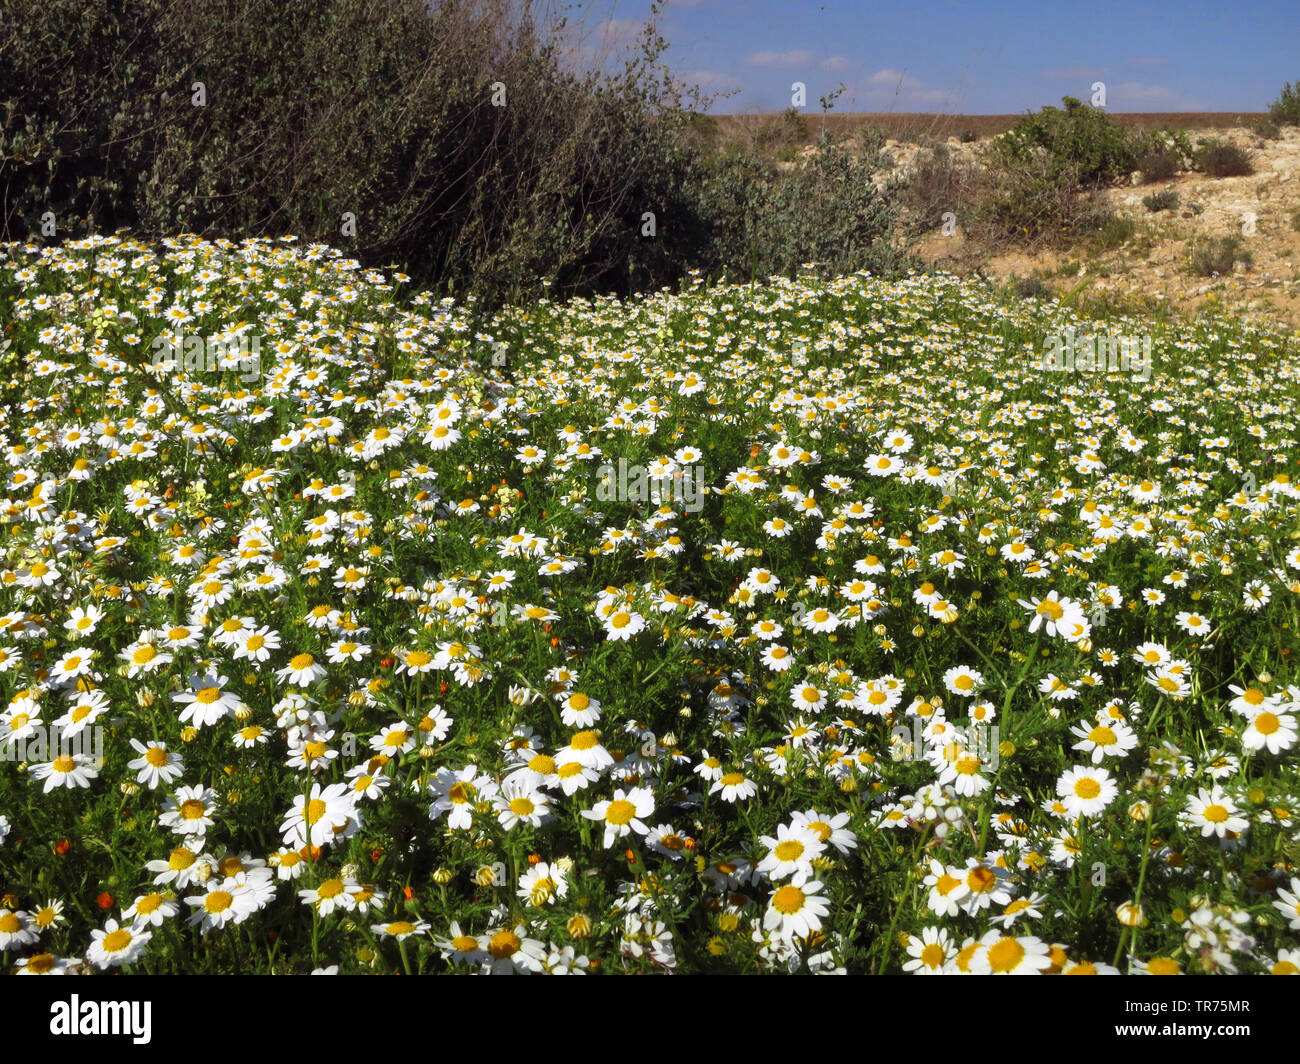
(936, 185)
(969, 136)
(1165, 200)
(1286, 108)
(828, 210)
(1295, 221)
(1077, 142)
(1031, 288)
(1219, 159)
(317, 111)
(1215, 256)
(784, 132)
(1158, 165)
(1265, 126)
(1032, 207)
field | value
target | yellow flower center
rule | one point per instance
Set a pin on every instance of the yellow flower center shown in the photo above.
(504, 944)
(788, 900)
(619, 812)
(790, 850)
(1006, 955)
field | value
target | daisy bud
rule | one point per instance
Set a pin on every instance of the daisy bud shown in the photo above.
(579, 925)
(144, 699)
(1131, 915)
(441, 876)
(1139, 810)
(189, 734)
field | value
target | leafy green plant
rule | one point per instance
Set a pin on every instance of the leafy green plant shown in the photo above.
(1266, 126)
(1115, 231)
(1286, 108)
(1219, 159)
(1165, 200)
(1076, 142)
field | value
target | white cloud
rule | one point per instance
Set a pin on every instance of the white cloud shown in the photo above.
(1137, 96)
(899, 91)
(836, 62)
(782, 60)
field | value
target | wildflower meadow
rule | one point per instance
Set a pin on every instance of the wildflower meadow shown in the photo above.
(796, 626)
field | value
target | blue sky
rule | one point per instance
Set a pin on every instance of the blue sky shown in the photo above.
(967, 56)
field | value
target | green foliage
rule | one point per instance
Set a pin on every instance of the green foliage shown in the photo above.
(1165, 200)
(1265, 126)
(1112, 233)
(1078, 143)
(1035, 207)
(827, 210)
(1042, 176)
(1218, 159)
(1286, 108)
(1030, 288)
(314, 112)
(1158, 165)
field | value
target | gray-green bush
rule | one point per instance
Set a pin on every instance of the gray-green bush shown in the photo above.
(389, 113)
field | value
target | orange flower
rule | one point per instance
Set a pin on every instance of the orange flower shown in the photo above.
(105, 900)
(376, 853)
(407, 892)
(62, 846)
(534, 858)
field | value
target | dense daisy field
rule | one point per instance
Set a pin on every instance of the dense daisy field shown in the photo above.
(803, 626)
